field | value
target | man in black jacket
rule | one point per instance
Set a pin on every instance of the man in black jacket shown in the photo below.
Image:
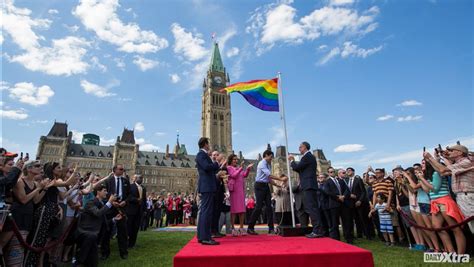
(346, 209)
(361, 202)
(306, 169)
(133, 210)
(116, 184)
(333, 188)
(89, 225)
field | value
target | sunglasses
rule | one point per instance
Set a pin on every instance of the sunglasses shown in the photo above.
(37, 166)
(121, 169)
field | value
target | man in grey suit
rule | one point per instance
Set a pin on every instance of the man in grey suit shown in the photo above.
(306, 168)
(89, 225)
(299, 207)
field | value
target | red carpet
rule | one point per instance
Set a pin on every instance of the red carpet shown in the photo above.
(274, 251)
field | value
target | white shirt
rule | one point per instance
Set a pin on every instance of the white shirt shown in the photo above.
(119, 182)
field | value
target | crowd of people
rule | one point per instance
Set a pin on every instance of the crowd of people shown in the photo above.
(60, 215)
(52, 213)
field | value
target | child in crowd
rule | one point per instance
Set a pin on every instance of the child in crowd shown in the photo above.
(386, 226)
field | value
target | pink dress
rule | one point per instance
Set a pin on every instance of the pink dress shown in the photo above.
(237, 196)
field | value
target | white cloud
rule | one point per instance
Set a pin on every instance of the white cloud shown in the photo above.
(278, 23)
(333, 53)
(322, 47)
(139, 127)
(349, 50)
(28, 93)
(64, 57)
(97, 90)
(234, 51)
(188, 45)
(4, 85)
(73, 28)
(1, 103)
(146, 146)
(280, 26)
(349, 148)
(175, 78)
(409, 118)
(77, 136)
(145, 64)
(96, 63)
(18, 114)
(108, 128)
(107, 142)
(53, 11)
(119, 63)
(40, 121)
(340, 2)
(160, 133)
(385, 118)
(101, 17)
(409, 103)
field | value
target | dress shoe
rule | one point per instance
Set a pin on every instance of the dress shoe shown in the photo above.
(218, 235)
(251, 232)
(199, 241)
(210, 242)
(271, 232)
(314, 235)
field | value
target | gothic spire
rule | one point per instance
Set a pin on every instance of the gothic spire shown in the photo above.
(216, 60)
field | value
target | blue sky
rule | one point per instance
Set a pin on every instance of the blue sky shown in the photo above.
(369, 82)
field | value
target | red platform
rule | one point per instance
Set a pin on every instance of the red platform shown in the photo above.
(274, 251)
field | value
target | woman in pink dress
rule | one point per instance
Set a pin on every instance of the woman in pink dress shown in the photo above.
(236, 184)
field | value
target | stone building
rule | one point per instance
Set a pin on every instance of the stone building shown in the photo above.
(169, 171)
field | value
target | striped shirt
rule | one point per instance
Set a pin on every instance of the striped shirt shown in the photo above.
(440, 186)
(384, 186)
(383, 214)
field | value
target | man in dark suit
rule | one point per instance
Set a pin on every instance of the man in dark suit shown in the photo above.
(134, 211)
(333, 189)
(89, 225)
(346, 210)
(323, 203)
(218, 200)
(299, 208)
(361, 203)
(207, 188)
(117, 185)
(306, 168)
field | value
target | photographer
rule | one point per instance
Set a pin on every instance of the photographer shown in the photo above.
(89, 225)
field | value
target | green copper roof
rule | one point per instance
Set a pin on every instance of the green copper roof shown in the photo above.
(216, 60)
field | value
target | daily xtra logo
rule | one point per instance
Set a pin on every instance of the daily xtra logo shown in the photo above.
(446, 257)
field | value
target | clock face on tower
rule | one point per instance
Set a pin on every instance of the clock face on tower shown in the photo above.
(218, 79)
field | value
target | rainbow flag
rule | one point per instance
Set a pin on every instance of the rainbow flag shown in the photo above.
(262, 94)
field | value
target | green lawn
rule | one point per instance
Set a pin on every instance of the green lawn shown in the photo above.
(158, 249)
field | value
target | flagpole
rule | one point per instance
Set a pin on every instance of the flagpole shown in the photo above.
(282, 116)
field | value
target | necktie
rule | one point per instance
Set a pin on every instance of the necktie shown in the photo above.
(337, 185)
(350, 184)
(117, 192)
